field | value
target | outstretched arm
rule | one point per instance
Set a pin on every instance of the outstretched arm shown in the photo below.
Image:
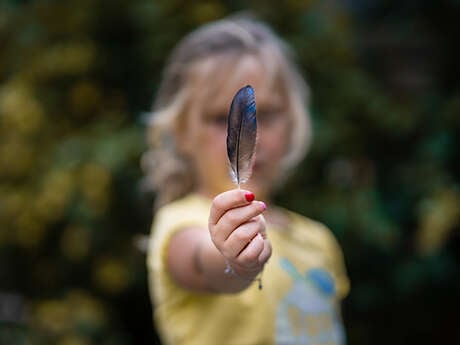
(197, 258)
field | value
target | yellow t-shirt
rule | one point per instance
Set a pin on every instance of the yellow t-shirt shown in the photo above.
(303, 283)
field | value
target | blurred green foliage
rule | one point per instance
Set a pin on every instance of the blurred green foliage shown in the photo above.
(383, 173)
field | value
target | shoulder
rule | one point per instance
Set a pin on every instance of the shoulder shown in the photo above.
(191, 203)
(315, 235)
(305, 229)
(191, 208)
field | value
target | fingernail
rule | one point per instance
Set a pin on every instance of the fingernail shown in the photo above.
(260, 236)
(249, 196)
(263, 205)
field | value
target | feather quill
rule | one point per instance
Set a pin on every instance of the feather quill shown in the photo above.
(241, 134)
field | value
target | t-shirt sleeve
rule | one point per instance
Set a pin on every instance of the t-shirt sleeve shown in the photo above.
(168, 220)
(316, 235)
(338, 264)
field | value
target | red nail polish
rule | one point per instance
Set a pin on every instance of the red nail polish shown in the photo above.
(249, 196)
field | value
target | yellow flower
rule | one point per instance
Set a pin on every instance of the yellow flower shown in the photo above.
(21, 111)
(207, 11)
(75, 242)
(86, 310)
(61, 60)
(111, 275)
(95, 181)
(72, 339)
(437, 217)
(29, 230)
(84, 98)
(12, 202)
(64, 317)
(16, 158)
(55, 195)
(53, 316)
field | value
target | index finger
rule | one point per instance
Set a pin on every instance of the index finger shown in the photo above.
(228, 200)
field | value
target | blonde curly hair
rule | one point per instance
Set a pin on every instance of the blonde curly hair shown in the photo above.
(224, 42)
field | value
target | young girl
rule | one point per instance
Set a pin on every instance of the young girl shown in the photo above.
(226, 266)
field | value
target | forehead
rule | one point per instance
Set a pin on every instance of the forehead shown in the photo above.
(216, 80)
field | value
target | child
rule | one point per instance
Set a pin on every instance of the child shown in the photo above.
(225, 268)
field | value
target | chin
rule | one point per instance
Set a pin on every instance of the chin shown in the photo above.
(259, 189)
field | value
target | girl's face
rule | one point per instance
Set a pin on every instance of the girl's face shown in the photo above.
(203, 139)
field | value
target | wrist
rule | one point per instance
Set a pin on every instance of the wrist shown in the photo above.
(248, 275)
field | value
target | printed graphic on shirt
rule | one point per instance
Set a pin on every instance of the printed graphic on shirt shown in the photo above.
(307, 314)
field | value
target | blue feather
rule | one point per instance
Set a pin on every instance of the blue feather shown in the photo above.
(241, 134)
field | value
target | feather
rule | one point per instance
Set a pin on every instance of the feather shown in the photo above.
(241, 134)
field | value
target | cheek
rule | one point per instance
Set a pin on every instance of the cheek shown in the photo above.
(213, 145)
(205, 136)
(276, 152)
(215, 137)
(276, 142)
(284, 139)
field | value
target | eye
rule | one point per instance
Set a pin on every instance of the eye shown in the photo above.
(219, 120)
(267, 117)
